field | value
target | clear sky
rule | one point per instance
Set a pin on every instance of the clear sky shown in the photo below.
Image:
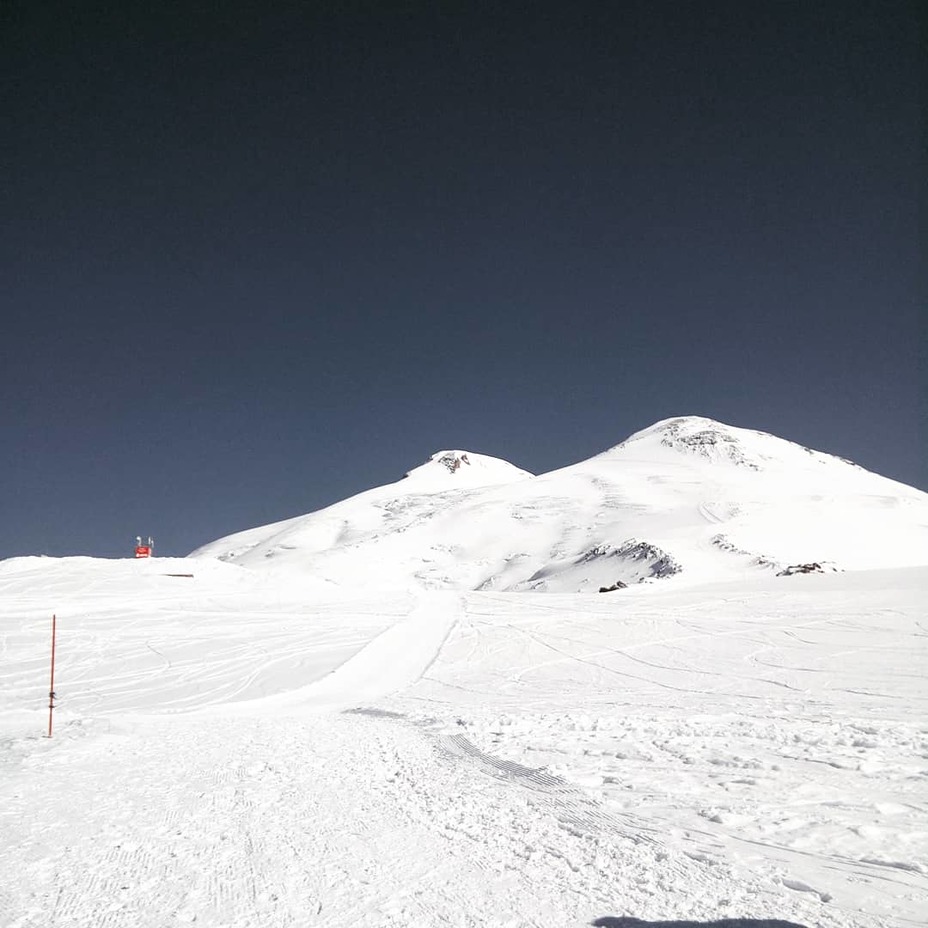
(257, 257)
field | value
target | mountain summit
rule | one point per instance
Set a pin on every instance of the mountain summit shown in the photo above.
(719, 443)
(447, 469)
(688, 498)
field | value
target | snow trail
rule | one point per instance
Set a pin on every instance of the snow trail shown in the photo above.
(396, 658)
(753, 749)
(319, 820)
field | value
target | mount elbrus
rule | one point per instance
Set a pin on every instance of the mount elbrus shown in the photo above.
(688, 499)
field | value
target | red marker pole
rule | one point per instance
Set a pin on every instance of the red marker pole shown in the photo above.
(51, 685)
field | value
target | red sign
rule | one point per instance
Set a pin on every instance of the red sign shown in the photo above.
(143, 551)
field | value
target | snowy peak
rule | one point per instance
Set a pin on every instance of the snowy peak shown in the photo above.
(698, 437)
(371, 518)
(688, 498)
(448, 470)
(452, 459)
(708, 439)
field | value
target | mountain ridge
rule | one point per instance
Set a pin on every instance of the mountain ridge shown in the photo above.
(686, 498)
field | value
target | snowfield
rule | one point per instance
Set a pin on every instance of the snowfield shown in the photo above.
(343, 723)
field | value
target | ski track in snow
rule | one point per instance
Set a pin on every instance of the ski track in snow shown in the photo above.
(350, 820)
(267, 757)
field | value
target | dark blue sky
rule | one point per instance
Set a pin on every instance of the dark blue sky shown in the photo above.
(259, 257)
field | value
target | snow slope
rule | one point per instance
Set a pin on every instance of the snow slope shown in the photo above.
(231, 750)
(688, 498)
(351, 718)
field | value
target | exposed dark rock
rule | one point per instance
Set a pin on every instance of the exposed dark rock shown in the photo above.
(661, 564)
(453, 461)
(618, 585)
(812, 568)
(707, 442)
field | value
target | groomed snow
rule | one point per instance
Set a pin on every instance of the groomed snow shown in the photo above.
(228, 752)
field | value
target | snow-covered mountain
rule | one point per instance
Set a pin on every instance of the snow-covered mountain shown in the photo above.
(688, 498)
(716, 743)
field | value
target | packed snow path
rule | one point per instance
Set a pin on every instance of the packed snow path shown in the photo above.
(232, 752)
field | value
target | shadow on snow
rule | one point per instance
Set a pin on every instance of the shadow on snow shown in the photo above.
(610, 921)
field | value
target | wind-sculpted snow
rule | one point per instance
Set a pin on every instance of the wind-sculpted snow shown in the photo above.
(702, 500)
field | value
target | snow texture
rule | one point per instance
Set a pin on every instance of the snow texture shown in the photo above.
(263, 745)
(689, 499)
